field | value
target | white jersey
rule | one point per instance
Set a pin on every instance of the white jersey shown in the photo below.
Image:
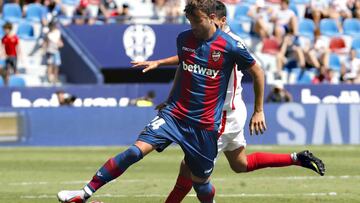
(234, 89)
(234, 111)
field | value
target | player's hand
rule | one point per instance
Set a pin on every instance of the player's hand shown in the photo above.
(257, 123)
(147, 65)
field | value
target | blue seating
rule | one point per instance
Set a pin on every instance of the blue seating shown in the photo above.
(302, 76)
(307, 28)
(35, 12)
(1, 81)
(293, 7)
(334, 62)
(237, 29)
(351, 27)
(328, 27)
(16, 81)
(241, 13)
(26, 31)
(355, 43)
(12, 12)
(300, 1)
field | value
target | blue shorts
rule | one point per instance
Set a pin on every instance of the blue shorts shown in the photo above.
(199, 145)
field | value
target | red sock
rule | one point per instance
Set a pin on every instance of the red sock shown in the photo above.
(182, 187)
(260, 160)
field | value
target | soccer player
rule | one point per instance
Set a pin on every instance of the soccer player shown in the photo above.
(192, 115)
(231, 140)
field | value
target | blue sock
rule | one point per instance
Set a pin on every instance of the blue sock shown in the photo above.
(205, 192)
(114, 167)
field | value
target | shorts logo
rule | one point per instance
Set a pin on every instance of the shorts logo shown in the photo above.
(208, 171)
(216, 55)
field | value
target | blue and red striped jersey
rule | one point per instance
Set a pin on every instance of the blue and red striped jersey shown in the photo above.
(202, 77)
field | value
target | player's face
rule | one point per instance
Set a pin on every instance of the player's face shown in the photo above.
(201, 23)
(220, 22)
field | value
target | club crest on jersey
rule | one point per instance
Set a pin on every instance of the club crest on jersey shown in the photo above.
(216, 55)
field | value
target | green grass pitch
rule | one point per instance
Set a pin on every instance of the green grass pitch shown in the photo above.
(37, 174)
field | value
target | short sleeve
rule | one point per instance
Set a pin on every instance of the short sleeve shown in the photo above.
(242, 57)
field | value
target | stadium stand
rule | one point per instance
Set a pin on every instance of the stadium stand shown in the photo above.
(338, 34)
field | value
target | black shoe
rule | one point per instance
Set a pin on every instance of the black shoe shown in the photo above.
(308, 160)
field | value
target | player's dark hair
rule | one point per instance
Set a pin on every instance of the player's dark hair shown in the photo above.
(206, 6)
(220, 9)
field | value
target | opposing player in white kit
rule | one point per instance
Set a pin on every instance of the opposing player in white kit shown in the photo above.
(231, 134)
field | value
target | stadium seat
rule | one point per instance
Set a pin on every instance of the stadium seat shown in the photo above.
(334, 62)
(35, 12)
(328, 27)
(1, 81)
(237, 28)
(26, 31)
(270, 46)
(16, 81)
(351, 27)
(337, 45)
(302, 76)
(293, 7)
(2, 22)
(356, 43)
(12, 12)
(307, 28)
(300, 1)
(241, 13)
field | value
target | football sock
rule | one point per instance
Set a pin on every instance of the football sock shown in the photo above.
(182, 187)
(260, 160)
(114, 167)
(205, 192)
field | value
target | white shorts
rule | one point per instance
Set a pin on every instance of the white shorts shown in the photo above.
(232, 132)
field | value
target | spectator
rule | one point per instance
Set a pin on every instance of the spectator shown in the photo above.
(159, 10)
(261, 16)
(11, 50)
(352, 75)
(317, 10)
(52, 54)
(290, 55)
(278, 94)
(109, 9)
(145, 101)
(326, 76)
(92, 8)
(65, 99)
(124, 16)
(285, 21)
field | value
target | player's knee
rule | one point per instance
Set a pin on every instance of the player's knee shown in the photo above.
(240, 166)
(130, 156)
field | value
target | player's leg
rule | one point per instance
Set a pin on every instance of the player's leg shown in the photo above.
(153, 137)
(112, 169)
(200, 150)
(182, 186)
(205, 191)
(240, 162)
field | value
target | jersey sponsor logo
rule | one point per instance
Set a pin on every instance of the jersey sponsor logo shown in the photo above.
(188, 49)
(139, 42)
(200, 70)
(216, 55)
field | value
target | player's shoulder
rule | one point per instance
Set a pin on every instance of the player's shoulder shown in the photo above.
(233, 39)
(185, 34)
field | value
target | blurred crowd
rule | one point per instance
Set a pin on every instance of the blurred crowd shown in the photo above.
(297, 41)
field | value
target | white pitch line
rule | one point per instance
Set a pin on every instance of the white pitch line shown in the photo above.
(44, 196)
(77, 182)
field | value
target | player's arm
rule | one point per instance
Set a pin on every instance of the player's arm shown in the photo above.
(245, 61)
(149, 65)
(257, 123)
